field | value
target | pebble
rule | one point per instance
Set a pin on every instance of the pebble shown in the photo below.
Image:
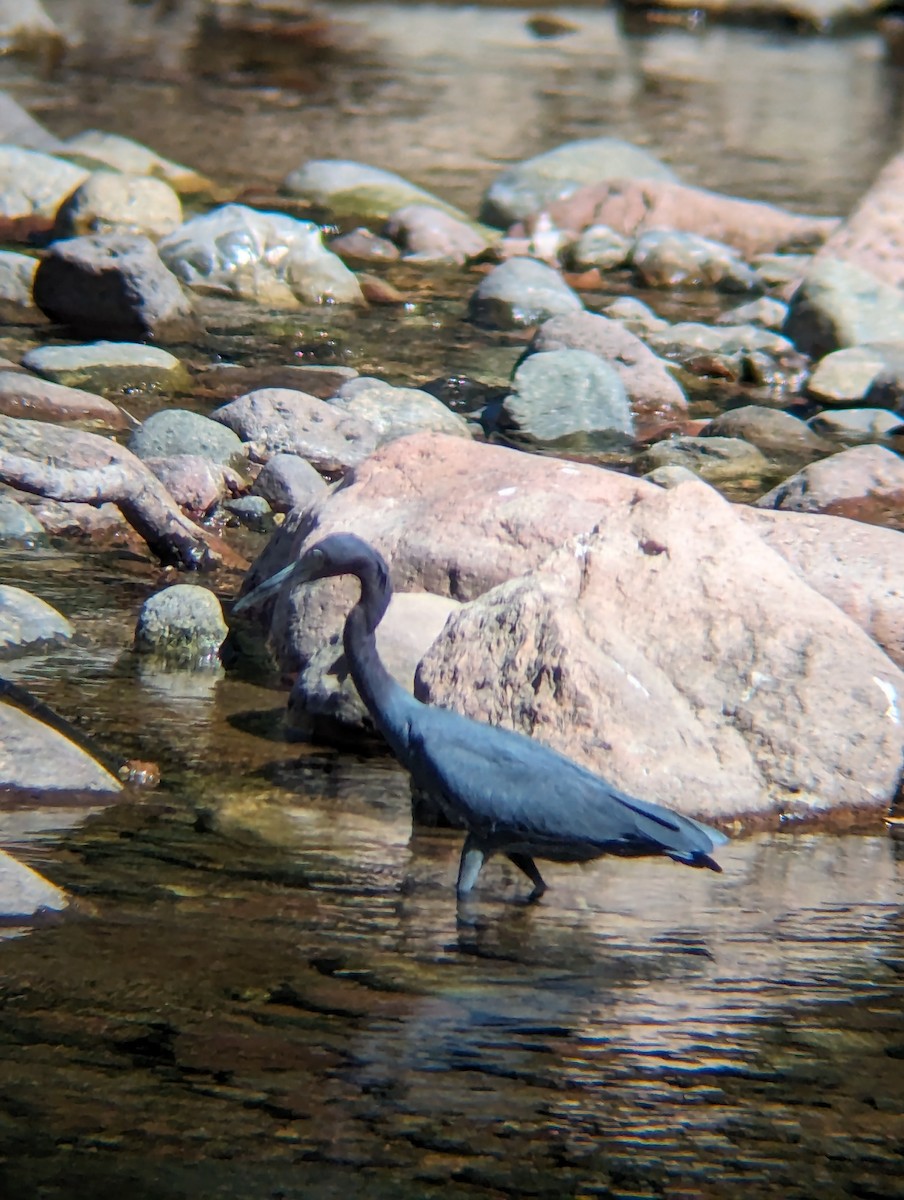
(600, 247)
(348, 188)
(428, 235)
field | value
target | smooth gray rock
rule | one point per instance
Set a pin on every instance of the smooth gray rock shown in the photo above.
(27, 622)
(672, 475)
(132, 158)
(39, 758)
(671, 259)
(184, 624)
(780, 436)
(688, 339)
(33, 184)
(267, 258)
(396, 411)
(108, 366)
(634, 315)
(845, 376)
(25, 893)
(253, 512)
(19, 128)
(765, 311)
(521, 292)
(717, 460)
(537, 182)
(349, 188)
(288, 481)
(651, 388)
(113, 285)
(174, 431)
(18, 524)
(856, 424)
(567, 399)
(840, 304)
(17, 274)
(279, 420)
(600, 247)
(112, 202)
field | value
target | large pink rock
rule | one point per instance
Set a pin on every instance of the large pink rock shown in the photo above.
(451, 517)
(865, 483)
(672, 651)
(632, 207)
(872, 237)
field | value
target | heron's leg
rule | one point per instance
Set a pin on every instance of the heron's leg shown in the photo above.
(525, 863)
(473, 856)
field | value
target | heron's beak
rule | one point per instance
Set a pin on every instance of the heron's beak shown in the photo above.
(265, 589)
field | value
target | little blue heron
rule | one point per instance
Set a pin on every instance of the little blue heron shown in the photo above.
(514, 796)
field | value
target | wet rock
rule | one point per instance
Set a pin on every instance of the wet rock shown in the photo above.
(19, 128)
(601, 247)
(454, 517)
(17, 273)
(858, 567)
(718, 460)
(427, 234)
(567, 399)
(134, 159)
(521, 292)
(780, 436)
(101, 524)
(633, 207)
(770, 700)
(779, 270)
(668, 259)
(765, 311)
(650, 386)
(324, 689)
(278, 421)
(268, 258)
(108, 366)
(854, 425)
(226, 381)
(839, 304)
(671, 475)
(688, 339)
(287, 481)
(362, 246)
(865, 483)
(17, 524)
(24, 395)
(845, 376)
(252, 512)
(113, 284)
(872, 236)
(536, 183)
(28, 623)
(184, 624)
(355, 189)
(397, 411)
(39, 758)
(173, 431)
(108, 202)
(634, 315)
(887, 388)
(34, 185)
(25, 893)
(195, 481)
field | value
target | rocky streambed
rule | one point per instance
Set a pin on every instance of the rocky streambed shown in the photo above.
(627, 425)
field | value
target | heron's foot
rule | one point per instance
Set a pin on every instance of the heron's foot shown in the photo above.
(525, 863)
(473, 856)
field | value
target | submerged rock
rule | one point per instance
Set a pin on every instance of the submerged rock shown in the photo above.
(521, 292)
(27, 622)
(268, 258)
(538, 182)
(770, 701)
(108, 366)
(183, 623)
(113, 284)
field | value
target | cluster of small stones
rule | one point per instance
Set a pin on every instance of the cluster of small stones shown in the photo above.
(807, 344)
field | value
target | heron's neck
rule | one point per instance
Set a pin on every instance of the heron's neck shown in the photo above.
(384, 697)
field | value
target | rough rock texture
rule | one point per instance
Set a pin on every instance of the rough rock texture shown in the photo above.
(278, 420)
(113, 285)
(652, 390)
(23, 892)
(195, 482)
(24, 395)
(632, 207)
(858, 567)
(865, 483)
(36, 757)
(183, 623)
(172, 431)
(770, 699)
(452, 517)
(872, 236)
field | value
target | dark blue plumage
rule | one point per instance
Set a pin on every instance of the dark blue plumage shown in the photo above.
(514, 795)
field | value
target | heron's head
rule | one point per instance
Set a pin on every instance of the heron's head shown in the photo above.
(337, 554)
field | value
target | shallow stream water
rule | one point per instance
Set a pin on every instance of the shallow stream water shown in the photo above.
(264, 990)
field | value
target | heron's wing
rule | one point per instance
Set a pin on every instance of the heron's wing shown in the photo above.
(498, 779)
